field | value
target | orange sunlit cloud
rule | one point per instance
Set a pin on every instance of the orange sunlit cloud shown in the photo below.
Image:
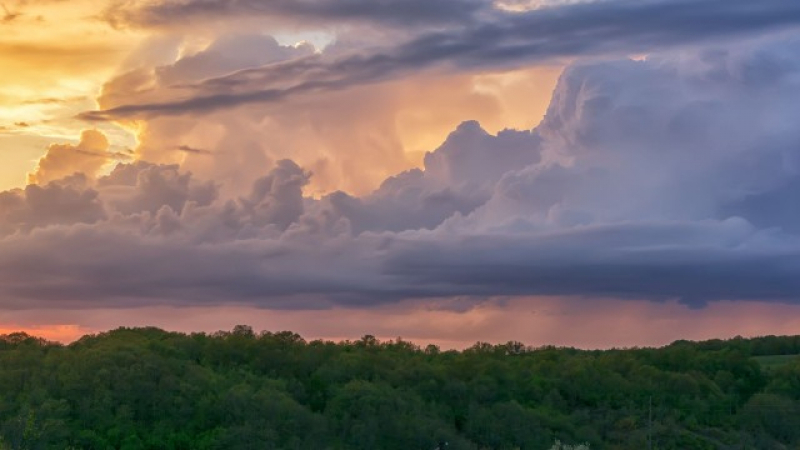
(54, 58)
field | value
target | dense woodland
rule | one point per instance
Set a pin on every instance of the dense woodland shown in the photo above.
(150, 389)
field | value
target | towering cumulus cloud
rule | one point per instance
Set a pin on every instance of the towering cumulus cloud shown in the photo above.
(348, 100)
(669, 177)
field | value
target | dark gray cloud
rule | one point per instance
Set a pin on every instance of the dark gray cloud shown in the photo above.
(497, 39)
(103, 265)
(167, 13)
(193, 150)
(693, 262)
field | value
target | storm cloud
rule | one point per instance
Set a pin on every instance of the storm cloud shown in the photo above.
(665, 178)
(384, 12)
(492, 38)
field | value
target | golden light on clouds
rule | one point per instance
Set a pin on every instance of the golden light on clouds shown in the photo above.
(55, 57)
(60, 55)
(512, 99)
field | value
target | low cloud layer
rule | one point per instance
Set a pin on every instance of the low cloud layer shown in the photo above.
(668, 178)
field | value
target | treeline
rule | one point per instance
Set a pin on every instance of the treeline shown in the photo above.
(150, 389)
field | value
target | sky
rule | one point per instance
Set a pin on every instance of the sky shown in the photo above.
(591, 173)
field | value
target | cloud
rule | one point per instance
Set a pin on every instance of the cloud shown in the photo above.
(457, 177)
(87, 157)
(500, 39)
(52, 100)
(141, 186)
(385, 12)
(8, 15)
(351, 139)
(669, 178)
(278, 197)
(694, 262)
(230, 53)
(64, 202)
(197, 151)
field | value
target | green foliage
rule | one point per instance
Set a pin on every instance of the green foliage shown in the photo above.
(561, 446)
(143, 389)
(775, 361)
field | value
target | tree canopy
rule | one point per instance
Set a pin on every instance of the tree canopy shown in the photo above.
(145, 388)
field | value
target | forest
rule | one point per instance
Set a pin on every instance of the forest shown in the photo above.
(145, 388)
